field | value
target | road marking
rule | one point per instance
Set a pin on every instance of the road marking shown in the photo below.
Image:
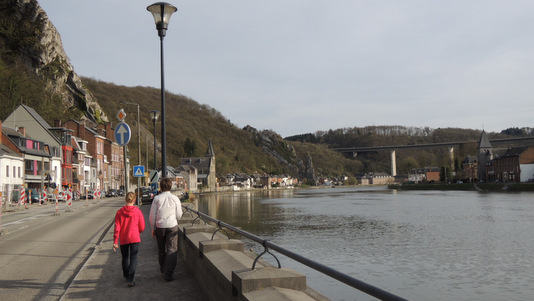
(20, 221)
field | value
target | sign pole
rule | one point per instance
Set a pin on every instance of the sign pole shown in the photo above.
(1, 213)
(57, 208)
(138, 192)
(139, 172)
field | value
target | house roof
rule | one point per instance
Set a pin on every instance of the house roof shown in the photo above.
(200, 163)
(39, 119)
(514, 152)
(470, 160)
(12, 134)
(4, 150)
(187, 168)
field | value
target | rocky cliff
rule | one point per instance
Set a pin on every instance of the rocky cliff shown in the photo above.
(43, 53)
(271, 143)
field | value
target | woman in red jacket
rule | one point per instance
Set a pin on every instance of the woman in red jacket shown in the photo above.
(129, 223)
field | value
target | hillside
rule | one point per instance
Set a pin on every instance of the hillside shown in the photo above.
(237, 150)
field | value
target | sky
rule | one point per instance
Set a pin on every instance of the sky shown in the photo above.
(302, 66)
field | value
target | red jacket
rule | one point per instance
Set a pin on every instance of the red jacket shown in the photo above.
(129, 223)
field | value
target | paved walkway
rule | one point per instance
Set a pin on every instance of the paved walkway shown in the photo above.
(101, 276)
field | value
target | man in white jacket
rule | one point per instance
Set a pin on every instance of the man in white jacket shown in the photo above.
(165, 212)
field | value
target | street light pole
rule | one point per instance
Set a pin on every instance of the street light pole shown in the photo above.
(154, 114)
(162, 11)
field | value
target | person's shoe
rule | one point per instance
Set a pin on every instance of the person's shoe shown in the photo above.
(131, 284)
(169, 278)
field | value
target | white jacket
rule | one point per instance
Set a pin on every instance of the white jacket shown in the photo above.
(165, 211)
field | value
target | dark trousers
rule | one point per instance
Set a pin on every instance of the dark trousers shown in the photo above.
(167, 239)
(129, 260)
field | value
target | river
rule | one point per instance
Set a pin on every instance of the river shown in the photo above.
(420, 245)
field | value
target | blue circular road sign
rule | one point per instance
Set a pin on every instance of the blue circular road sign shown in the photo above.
(122, 134)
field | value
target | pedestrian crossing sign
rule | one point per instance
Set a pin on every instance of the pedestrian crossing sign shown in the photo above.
(139, 171)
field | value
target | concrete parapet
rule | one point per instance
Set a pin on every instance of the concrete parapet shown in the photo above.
(188, 220)
(260, 278)
(278, 294)
(227, 244)
(187, 230)
(224, 269)
(222, 263)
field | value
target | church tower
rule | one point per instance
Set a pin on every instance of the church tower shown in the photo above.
(485, 155)
(212, 177)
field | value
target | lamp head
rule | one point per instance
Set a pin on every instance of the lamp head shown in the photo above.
(154, 114)
(161, 11)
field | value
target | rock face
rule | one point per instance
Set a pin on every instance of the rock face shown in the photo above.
(50, 61)
(272, 144)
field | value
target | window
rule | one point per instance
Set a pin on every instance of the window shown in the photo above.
(7, 170)
(19, 172)
(14, 172)
(29, 166)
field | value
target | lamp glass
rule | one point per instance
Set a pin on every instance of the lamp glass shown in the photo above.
(162, 11)
(154, 114)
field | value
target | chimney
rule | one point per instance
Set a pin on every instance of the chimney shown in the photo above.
(109, 132)
(57, 123)
(81, 130)
(22, 131)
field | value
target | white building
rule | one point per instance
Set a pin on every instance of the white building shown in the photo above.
(36, 127)
(11, 171)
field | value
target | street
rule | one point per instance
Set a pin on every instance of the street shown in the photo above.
(41, 251)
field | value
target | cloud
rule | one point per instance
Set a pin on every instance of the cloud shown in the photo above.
(301, 66)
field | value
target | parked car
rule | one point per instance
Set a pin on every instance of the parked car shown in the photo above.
(145, 193)
(112, 193)
(121, 192)
(90, 195)
(34, 198)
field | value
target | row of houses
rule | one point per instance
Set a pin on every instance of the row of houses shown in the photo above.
(37, 156)
(515, 164)
(245, 182)
(79, 155)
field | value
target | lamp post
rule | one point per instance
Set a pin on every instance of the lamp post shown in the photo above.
(162, 11)
(154, 114)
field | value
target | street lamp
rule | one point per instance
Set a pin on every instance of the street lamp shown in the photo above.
(154, 114)
(162, 11)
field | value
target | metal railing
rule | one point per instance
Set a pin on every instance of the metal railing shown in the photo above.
(348, 280)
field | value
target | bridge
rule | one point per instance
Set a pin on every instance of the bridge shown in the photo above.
(392, 148)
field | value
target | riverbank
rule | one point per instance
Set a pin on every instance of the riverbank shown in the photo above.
(511, 187)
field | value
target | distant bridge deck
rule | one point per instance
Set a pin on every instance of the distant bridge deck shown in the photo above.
(362, 149)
